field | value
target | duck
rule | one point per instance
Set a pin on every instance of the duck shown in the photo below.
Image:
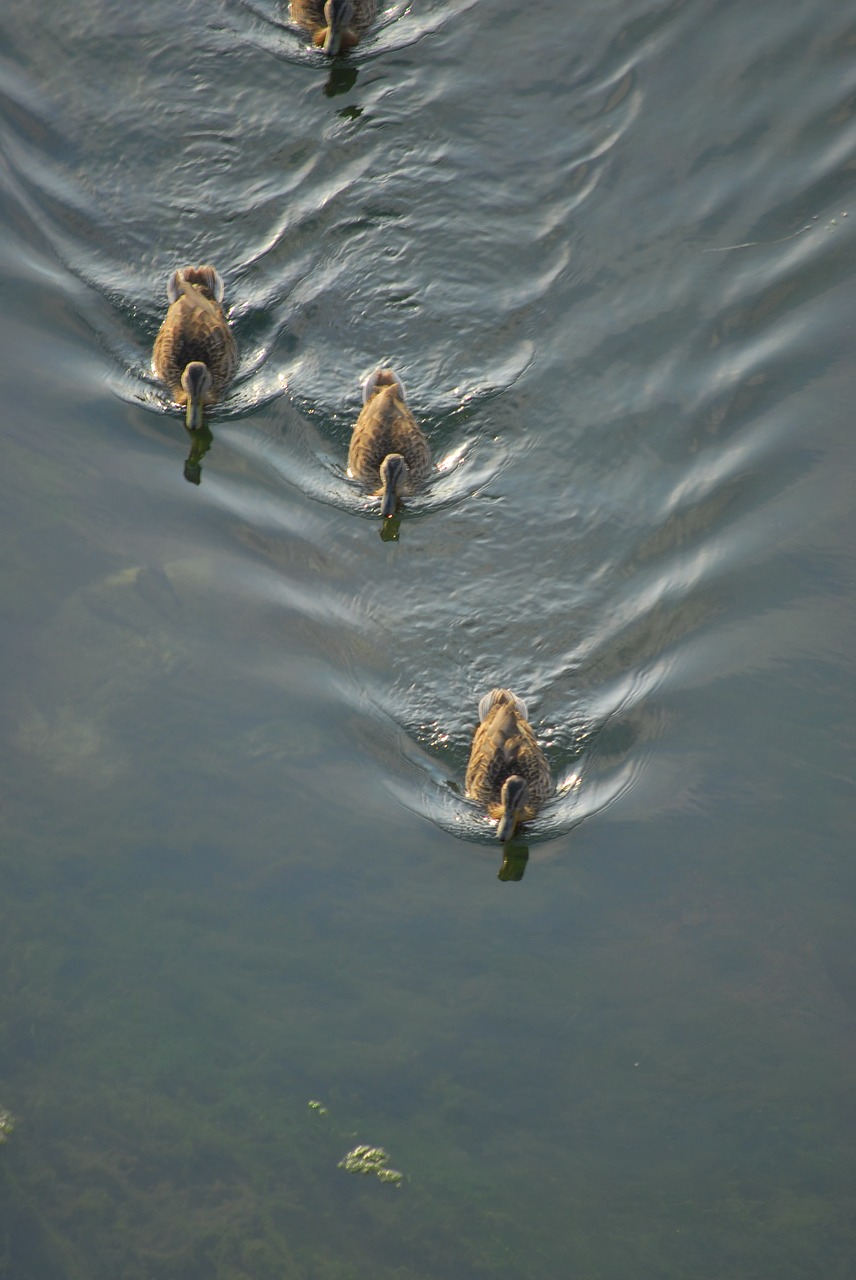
(388, 451)
(334, 25)
(195, 352)
(507, 771)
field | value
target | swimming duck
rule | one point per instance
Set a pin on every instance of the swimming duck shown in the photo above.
(334, 24)
(507, 771)
(195, 352)
(388, 451)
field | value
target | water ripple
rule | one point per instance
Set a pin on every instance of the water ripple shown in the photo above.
(600, 375)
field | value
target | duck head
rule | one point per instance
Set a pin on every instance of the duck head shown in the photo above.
(338, 14)
(393, 473)
(196, 381)
(514, 799)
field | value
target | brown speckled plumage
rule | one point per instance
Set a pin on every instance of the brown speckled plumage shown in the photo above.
(504, 747)
(335, 24)
(195, 329)
(387, 427)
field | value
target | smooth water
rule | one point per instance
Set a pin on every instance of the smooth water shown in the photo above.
(609, 247)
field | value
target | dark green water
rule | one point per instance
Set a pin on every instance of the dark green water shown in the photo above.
(609, 248)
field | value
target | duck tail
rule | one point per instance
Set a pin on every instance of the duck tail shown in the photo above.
(502, 697)
(208, 277)
(382, 378)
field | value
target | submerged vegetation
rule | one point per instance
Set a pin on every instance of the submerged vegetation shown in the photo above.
(168, 1136)
(7, 1124)
(363, 1158)
(366, 1159)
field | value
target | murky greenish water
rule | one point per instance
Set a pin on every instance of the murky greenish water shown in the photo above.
(609, 247)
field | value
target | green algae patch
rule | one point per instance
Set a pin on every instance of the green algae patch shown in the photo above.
(366, 1159)
(317, 1107)
(7, 1124)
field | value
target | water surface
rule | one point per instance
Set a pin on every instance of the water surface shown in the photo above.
(609, 249)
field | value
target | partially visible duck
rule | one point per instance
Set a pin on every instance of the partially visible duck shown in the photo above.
(334, 25)
(195, 352)
(388, 451)
(507, 771)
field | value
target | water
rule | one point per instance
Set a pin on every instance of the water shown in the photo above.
(610, 251)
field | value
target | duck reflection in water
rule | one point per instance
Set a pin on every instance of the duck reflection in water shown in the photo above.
(388, 452)
(514, 859)
(390, 530)
(195, 352)
(507, 771)
(342, 79)
(334, 25)
(201, 442)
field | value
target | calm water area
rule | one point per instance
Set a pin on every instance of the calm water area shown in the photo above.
(609, 247)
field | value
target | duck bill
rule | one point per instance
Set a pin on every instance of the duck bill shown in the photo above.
(332, 41)
(193, 417)
(387, 503)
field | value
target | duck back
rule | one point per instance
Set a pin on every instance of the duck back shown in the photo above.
(386, 426)
(195, 328)
(309, 14)
(504, 745)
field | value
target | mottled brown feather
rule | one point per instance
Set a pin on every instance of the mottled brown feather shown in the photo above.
(195, 328)
(309, 14)
(386, 426)
(504, 745)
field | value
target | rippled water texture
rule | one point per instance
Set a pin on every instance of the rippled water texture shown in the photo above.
(609, 249)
